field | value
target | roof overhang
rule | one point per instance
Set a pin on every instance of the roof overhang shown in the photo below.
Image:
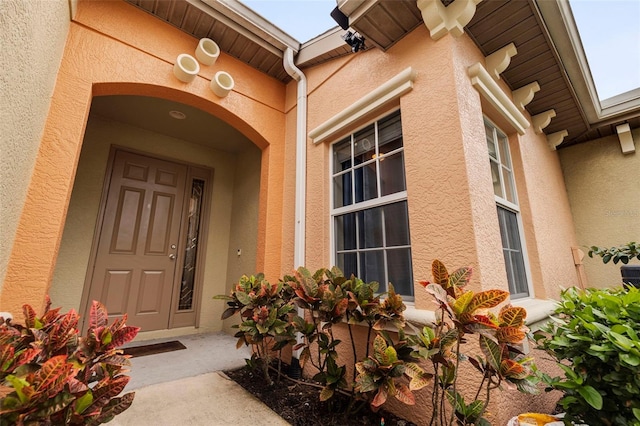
(543, 31)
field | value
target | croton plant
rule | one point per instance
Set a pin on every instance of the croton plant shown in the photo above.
(50, 375)
(394, 364)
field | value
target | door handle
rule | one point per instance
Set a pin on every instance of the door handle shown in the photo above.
(172, 256)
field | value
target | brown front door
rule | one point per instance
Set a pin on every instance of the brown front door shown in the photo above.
(137, 251)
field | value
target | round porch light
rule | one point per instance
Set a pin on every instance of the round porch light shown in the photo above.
(207, 51)
(222, 83)
(178, 115)
(186, 68)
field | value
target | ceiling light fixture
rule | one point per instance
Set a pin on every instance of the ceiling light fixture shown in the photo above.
(178, 115)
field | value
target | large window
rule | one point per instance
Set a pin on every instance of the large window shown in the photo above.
(369, 214)
(508, 210)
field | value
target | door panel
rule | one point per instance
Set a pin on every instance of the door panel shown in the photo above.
(135, 263)
(115, 291)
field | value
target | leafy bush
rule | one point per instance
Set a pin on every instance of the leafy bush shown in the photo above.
(462, 312)
(623, 253)
(264, 309)
(51, 375)
(597, 333)
(393, 369)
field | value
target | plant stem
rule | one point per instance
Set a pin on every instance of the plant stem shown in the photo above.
(455, 378)
(353, 348)
(434, 395)
(484, 377)
(368, 340)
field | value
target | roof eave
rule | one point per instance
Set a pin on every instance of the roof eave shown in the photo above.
(250, 24)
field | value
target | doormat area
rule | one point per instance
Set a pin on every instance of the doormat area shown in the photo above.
(156, 348)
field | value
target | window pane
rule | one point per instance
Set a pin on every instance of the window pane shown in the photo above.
(342, 195)
(187, 284)
(509, 190)
(495, 178)
(372, 242)
(390, 146)
(392, 174)
(366, 182)
(520, 278)
(503, 143)
(372, 268)
(370, 223)
(513, 255)
(504, 232)
(399, 267)
(511, 225)
(390, 133)
(491, 145)
(364, 146)
(342, 155)
(396, 223)
(348, 263)
(345, 229)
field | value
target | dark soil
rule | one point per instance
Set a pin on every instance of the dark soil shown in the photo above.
(298, 402)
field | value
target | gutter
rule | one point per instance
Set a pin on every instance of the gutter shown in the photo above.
(301, 183)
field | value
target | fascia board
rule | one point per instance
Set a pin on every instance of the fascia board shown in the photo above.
(563, 31)
(621, 104)
(348, 6)
(248, 23)
(318, 46)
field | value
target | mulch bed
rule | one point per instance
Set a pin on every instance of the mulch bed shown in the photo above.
(300, 405)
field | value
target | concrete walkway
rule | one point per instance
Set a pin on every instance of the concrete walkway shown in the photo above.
(185, 387)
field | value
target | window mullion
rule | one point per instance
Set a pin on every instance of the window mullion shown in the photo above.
(353, 172)
(384, 249)
(358, 267)
(377, 163)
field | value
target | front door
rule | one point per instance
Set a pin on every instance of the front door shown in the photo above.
(137, 251)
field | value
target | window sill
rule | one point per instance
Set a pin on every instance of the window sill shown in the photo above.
(420, 317)
(538, 310)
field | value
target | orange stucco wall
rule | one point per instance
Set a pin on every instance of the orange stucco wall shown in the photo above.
(451, 202)
(452, 208)
(113, 48)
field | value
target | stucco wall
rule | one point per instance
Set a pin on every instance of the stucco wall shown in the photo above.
(602, 184)
(451, 202)
(71, 268)
(114, 48)
(242, 230)
(452, 208)
(33, 35)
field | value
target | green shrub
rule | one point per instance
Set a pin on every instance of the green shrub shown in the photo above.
(623, 253)
(265, 324)
(596, 333)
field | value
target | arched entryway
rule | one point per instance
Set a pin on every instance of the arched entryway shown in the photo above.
(165, 196)
(104, 57)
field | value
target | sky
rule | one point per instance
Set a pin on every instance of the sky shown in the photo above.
(610, 34)
(609, 30)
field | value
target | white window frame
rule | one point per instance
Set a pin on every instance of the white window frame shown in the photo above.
(367, 204)
(514, 207)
